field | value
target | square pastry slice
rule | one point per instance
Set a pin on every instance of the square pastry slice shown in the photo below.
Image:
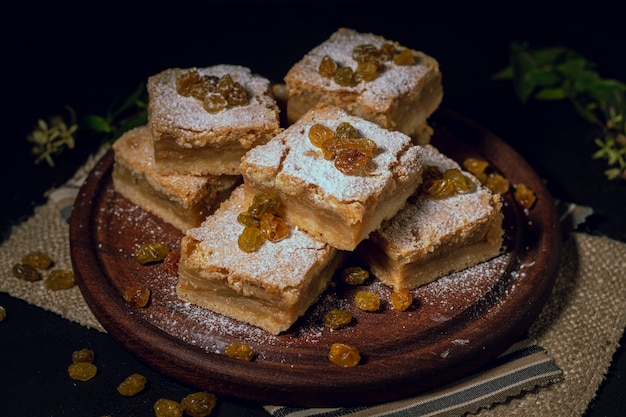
(318, 195)
(268, 288)
(403, 92)
(433, 237)
(204, 119)
(182, 200)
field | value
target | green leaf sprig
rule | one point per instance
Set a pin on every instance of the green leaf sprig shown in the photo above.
(53, 135)
(559, 73)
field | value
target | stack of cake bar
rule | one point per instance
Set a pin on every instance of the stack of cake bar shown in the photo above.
(187, 160)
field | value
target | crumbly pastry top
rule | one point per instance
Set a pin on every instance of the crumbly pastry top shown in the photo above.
(394, 81)
(290, 162)
(170, 110)
(134, 150)
(278, 266)
(426, 221)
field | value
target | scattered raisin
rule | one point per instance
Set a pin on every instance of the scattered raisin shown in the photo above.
(336, 318)
(344, 356)
(26, 272)
(151, 252)
(3, 313)
(354, 275)
(82, 371)
(524, 196)
(170, 263)
(83, 355)
(60, 279)
(164, 407)
(239, 351)
(475, 166)
(367, 301)
(37, 259)
(137, 295)
(198, 404)
(497, 183)
(132, 385)
(401, 299)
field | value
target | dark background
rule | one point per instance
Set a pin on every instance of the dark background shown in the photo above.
(88, 56)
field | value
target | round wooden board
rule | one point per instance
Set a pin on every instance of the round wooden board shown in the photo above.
(456, 326)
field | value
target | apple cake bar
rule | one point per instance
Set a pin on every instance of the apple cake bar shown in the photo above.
(204, 119)
(434, 236)
(371, 77)
(335, 207)
(182, 200)
(268, 288)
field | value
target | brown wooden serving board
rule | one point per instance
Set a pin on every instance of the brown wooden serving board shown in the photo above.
(456, 326)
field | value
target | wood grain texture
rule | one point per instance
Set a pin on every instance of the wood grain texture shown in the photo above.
(456, 326)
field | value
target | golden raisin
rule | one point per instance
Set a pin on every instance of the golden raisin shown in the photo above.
(401, 299)
(82, 371)
(366, 71)
(83, 355)
(26, 272)
(320, 135)
(164, 407)
(345, 130)
(170, 263)
(439, 188)
(60, 279)
(214, 103)
(460, 182)
(366, 146)
(185, 82)
(354, 275)
(273, 227)
(524, 196)
(344, 356)
(151, 252)
(327, 67)
(198, 404)
(365, 53)
(367, 301)
(37, 259)
(237, 96)
(245, 218)
(404, 58)
(344, 76)
(336, 318)
(350, 161)
(239, 351)
(387, 51)
(497, 183)
(250, 239)
(132, 385)
(264, 203)
(137, 295)
(225, 84)
(475, 166)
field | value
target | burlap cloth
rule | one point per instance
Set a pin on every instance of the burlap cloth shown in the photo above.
(580, 326)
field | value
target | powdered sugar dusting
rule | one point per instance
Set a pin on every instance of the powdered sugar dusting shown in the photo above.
(291, 163)
(394, 81)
